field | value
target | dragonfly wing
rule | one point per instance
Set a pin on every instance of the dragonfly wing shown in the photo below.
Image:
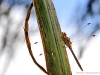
(83, 33)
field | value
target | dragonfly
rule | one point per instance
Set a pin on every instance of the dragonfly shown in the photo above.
(68, 43)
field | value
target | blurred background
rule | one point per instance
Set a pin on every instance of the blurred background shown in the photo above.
(80, 19)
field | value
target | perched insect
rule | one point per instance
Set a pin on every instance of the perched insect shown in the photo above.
(69, 43)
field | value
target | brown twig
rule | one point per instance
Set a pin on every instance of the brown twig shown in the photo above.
(28, 40)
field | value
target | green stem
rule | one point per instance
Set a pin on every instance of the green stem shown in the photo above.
(57, 62)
